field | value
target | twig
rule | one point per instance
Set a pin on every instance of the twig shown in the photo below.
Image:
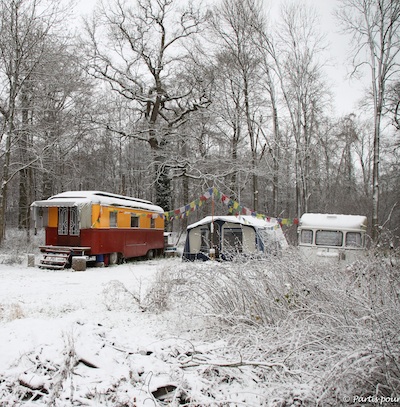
(87, 363)
(390, 215)
(241, 364)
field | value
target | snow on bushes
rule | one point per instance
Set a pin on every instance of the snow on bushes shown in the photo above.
(333, 330)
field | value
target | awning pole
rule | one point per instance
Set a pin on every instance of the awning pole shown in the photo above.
(212, 249)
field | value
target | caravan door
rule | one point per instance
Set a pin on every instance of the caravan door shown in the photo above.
(68, 226)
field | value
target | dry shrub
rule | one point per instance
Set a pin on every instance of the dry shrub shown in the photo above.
(335, 327)
(10, 312)
(116, 296)
(15, 312)
(17, 244)
(157, 298)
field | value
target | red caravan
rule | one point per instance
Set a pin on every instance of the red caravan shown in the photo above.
(94, 223)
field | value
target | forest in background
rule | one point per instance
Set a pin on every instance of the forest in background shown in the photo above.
(163, 99)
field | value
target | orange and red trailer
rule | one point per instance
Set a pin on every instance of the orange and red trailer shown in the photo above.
(100, 225)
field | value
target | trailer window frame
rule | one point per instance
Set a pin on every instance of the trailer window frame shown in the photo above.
(73, 221)
(333, 238)
(62, 221)
(113, 216)
(135, 220)
(205, 239)
(354, 239)
(306, 236)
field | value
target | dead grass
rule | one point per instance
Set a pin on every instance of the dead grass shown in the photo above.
(10, 312)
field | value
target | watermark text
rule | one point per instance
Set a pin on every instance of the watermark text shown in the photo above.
(372, 400)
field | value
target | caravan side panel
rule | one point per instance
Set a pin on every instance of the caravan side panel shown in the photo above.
(249, 239)
(197, 246)
(195, 240)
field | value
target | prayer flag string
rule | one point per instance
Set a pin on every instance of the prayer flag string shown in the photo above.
(234, 208)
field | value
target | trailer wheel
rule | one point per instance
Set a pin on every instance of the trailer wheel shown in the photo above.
(113, 259)
(150, 254)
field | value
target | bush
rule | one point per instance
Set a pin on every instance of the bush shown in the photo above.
(16, 246)
(328, 325)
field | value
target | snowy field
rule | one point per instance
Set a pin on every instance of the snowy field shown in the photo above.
(78, 338)
(84, 338)
(164, 332)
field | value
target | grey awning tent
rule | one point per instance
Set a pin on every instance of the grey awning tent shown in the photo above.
(230, 236)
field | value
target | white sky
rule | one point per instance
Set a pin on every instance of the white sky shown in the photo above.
(346, 92)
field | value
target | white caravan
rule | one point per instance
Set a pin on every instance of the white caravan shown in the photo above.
(339, 237)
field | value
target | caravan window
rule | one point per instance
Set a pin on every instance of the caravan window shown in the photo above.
(63, 221)
(134, 220)
(233, 239)
(113, 219)
(353, 239)
(73, 221)
(306, 236)
(205, 240)
(68, 221)
(328, 238)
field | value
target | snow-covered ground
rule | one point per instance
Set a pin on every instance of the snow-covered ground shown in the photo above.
(165, 332)
(85, 338)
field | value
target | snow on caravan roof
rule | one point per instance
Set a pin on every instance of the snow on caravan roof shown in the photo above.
(270, 227)
(243, 220)
(80, 198)
(333, 221)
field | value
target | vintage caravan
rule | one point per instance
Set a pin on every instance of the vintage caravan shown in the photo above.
(329, 236)
(225, 237)
(102, 226)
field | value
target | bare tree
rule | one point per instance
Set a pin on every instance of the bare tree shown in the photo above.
(299, 68)
(24, 27)
(375, 29)
(270, 83)
(137, 57)
(61, 110)
(239, 57)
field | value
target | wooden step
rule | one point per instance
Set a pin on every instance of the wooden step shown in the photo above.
(52, 266)
(64, 249)
(56, 257)
(55, 260)
(56, 254)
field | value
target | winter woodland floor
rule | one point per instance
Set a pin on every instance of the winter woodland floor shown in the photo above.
(277, 332)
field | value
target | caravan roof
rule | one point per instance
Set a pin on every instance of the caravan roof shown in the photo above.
(81, 198)
(333, 221)
(242, 220)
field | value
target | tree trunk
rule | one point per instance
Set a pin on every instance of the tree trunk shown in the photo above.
(275, 152)
(4, 183)
(24, 173)
(185, 197)
(234, 186)
(375, 176)
(253, 143)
